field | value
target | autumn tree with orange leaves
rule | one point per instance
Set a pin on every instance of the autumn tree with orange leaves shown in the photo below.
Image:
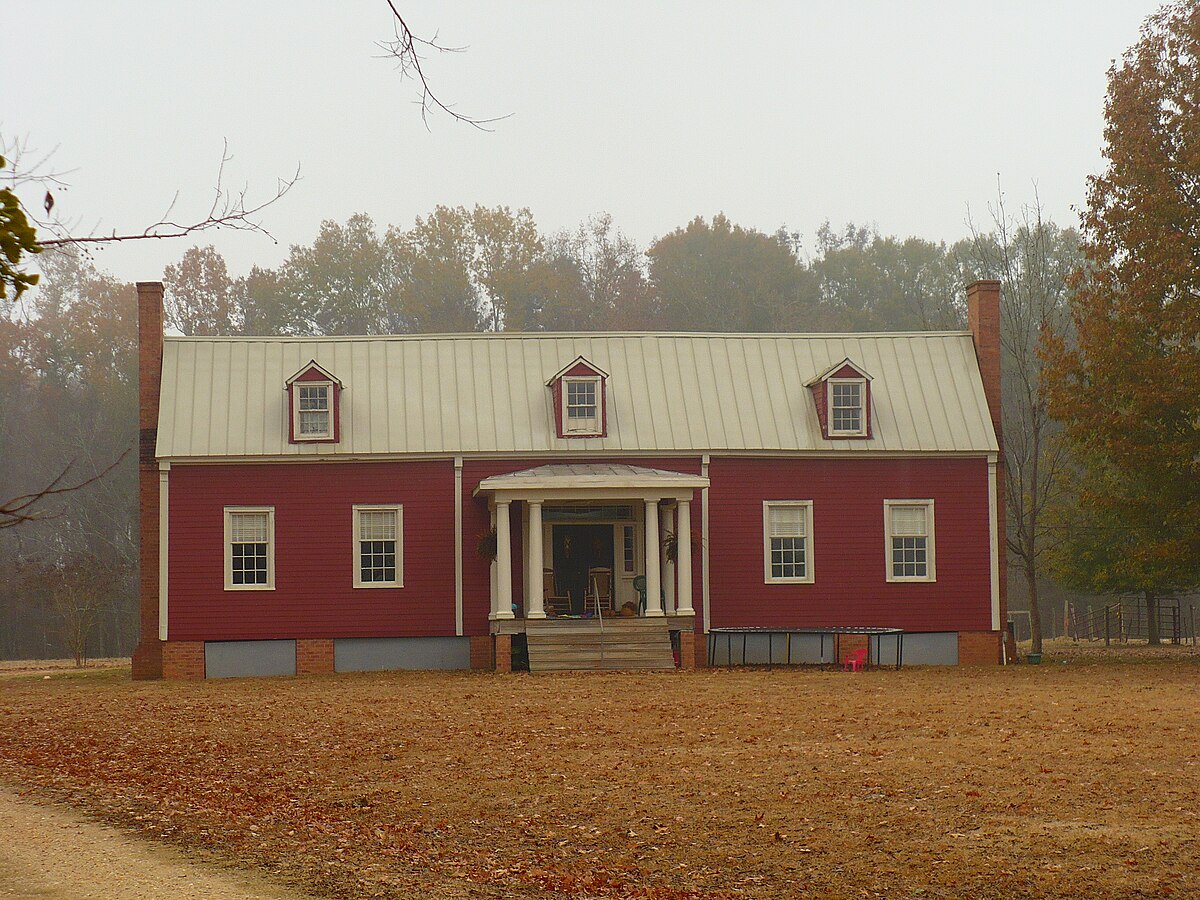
(1128, 388)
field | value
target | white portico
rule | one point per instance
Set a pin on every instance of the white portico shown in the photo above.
(638, 507)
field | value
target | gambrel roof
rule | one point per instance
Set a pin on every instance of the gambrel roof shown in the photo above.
(485, 393)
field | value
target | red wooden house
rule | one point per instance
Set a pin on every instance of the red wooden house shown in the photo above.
(439, 501)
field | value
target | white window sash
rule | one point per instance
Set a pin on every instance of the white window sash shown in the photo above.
(359, 536)
(581, 425)
(780, 520)
(862, 407)
(297, 412)
(899, 522)
(234, 511)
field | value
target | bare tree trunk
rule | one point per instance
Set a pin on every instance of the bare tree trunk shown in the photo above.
(1152, 636)
(1035, 613)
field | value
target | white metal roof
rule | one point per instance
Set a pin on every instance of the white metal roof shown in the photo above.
(603, 475)
(451, 394)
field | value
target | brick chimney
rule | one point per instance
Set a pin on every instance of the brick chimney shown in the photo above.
(983, 318)
(147, 658)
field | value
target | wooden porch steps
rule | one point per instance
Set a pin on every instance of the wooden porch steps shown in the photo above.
(559, 645)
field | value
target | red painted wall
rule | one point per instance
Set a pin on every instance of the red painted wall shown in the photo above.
(850, 585)
(313, 596)
(477, 521)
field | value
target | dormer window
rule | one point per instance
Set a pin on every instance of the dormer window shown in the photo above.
(846, 415)
(843, 398)
(580, 404)
(313, 398)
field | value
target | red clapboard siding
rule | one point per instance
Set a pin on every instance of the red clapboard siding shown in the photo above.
(850, 585)
(477, 522)
(313, 596)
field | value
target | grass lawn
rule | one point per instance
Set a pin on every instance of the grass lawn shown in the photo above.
(1069, 779)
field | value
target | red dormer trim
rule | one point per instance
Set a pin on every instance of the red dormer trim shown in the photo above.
(846, 370)
(579, 368)
(310, 373)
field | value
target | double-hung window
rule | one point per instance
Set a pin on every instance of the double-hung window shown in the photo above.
(314, 411)
(846, 413)
(787, 541)
(378, 546)
(581, 405)
(909, 540)
(249, 548)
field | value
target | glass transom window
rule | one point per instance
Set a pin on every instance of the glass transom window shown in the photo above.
(377, 536)
(313, 409)
(788, 525)
(846, 407)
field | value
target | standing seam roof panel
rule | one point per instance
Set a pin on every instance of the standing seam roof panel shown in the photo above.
(666, 393)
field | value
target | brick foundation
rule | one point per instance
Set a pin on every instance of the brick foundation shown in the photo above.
(481, 652)
(314, 657)
(182, 660)
(700, 645)
(503, 644)
(848, 643)
(687, 650)
(978, 648)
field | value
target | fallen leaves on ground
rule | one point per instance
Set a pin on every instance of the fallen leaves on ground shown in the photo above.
(1054, 781)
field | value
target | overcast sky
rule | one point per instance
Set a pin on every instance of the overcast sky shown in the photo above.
(897, 114)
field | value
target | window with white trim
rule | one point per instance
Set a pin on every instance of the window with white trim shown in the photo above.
(249, 548)
(847, 415)
(378, 546)
(313, 410)
(909, 540)
(581, 405)
(787, 541)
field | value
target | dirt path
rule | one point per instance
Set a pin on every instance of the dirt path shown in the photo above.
(50, 853)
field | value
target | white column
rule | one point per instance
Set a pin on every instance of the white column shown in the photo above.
(667, 567)
(653, 557)
(492, 572)
(503, 562)
(534, 608)
(683, 557)
(525, 579)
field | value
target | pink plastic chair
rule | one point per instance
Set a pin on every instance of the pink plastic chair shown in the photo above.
(856, 661)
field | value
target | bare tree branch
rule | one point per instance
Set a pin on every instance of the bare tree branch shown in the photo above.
(405, 49)
(229, 209)
(22, 509)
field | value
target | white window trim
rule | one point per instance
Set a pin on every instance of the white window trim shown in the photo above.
(356, 560)
(862, 413)
(930, 555)
(323, 436)
(598, 423)
(229, 511)
(809, 555)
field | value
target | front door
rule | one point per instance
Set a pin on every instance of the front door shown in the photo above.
(576, 549)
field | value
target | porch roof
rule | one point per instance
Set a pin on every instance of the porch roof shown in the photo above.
(592, 481)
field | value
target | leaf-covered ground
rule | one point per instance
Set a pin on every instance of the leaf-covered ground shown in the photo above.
(1079, 779)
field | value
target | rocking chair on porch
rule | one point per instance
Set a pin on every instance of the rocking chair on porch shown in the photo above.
(554, 603)
(599, 596)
